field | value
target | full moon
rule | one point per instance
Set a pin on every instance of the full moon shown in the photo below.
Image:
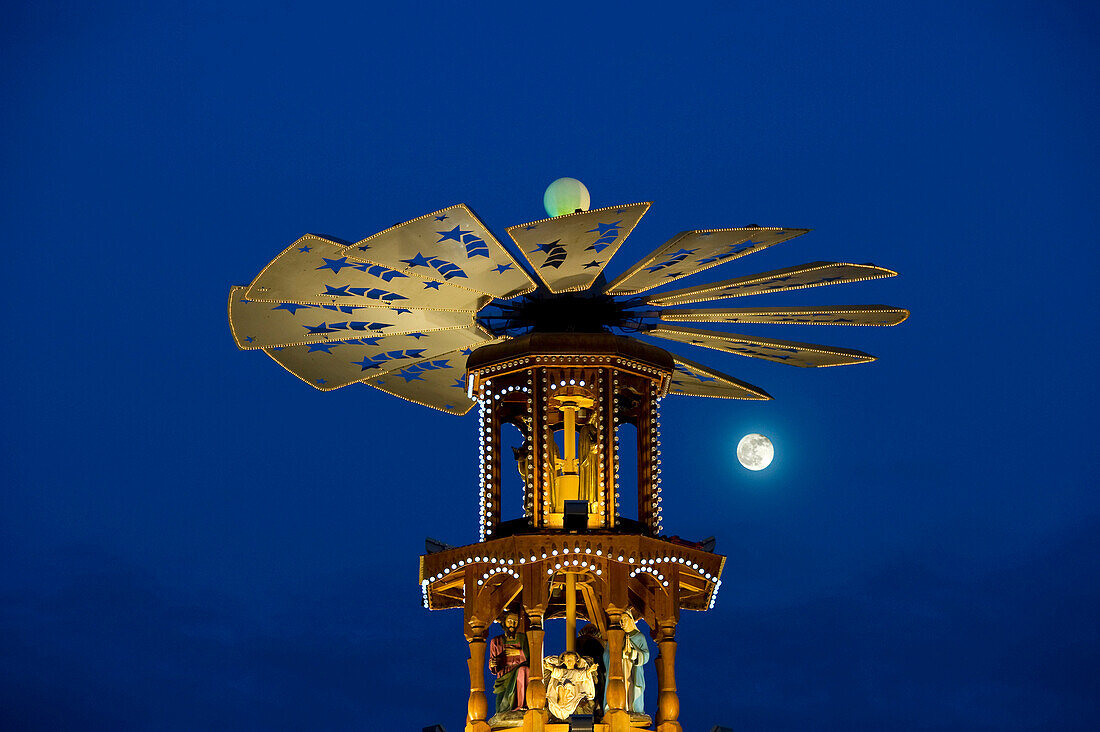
(755, 451)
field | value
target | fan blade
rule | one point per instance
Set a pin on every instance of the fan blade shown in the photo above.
(569, 252)
(258, 324)
(690, 252)
(439, 383)
(814, 274)
(451, 245)
(788, 352)
(328, 366)
(852, 315)
(692, 379)
(316, 270)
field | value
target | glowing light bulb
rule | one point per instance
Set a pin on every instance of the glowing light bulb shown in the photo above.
(565, 196)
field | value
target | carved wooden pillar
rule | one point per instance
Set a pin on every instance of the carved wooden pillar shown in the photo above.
(536, 717)
(668, 701)
(477, 708)
(535, 598)
(617, 718)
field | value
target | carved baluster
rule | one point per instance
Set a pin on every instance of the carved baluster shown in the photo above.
(477, 708)
(668, 701)
(536, 717)
(617, 718)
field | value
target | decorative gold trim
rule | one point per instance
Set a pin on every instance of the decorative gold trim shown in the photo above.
(702, 293)
(696, 337)
(616, 286)
(788, 316)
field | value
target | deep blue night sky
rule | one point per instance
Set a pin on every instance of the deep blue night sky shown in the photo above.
(194, 539)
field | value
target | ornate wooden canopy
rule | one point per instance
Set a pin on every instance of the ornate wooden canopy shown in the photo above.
(572, 555)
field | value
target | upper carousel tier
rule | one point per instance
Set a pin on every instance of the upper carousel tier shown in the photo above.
(571, 397)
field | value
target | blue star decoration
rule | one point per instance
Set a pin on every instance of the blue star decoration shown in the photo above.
(605, 228)
(290, 307)
(335, 264)
(608, 233)
(369, 292)
(731, 250)
(366, 363)
(326, 347)
(248, 339)
(454, 234)
(441, 218)
(409, 375)
(307, 248)
(555, 253)
(322, 382)
(502, 268)
(432, 285)
(530, 226)
(442, 266)
(693, 374)
(593, 263)
(369, 362)
(417, 336)
(475, 245)
(377, 270)
(459, 384)
(673, 258)
(418, 261)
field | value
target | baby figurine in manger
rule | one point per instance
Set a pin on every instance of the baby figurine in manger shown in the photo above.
(570, 680)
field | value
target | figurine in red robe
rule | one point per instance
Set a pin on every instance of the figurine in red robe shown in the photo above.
(508, 660)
